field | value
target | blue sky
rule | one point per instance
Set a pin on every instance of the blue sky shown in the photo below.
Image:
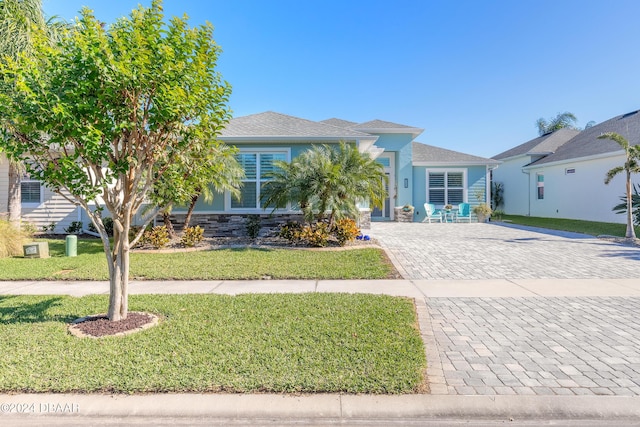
(476, 75)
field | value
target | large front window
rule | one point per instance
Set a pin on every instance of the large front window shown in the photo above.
(256, 166)
(445, 187)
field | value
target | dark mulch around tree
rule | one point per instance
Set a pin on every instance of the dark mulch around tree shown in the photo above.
(100, 326)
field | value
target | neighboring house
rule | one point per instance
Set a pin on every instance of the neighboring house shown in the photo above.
(568, 182)
(514, 179)
(417, 173)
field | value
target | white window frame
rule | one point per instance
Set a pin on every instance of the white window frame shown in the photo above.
(465, 189)
(27, 179)
(259, 179)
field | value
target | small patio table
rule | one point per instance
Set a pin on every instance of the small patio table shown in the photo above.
(449, 216)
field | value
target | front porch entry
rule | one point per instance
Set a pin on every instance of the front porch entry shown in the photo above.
(387, 159)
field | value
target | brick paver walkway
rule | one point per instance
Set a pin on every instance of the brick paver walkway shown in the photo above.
(524, 345)
(487, 251)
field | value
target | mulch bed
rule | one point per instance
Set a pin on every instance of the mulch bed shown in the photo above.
(100, 326)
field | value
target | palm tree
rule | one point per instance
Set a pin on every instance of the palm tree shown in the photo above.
(20, 20)
(561, 120)
(325, 179)
(631, 165)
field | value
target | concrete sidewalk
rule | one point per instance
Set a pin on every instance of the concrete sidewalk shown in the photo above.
(497, 349)
(444, 288)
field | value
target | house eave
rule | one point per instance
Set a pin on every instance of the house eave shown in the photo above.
(575, 159)
(294, 139)
(413, 131)
(471, 163)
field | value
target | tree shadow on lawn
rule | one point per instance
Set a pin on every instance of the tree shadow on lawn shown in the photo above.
(23, 312)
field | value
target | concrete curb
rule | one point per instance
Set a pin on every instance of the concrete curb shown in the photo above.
(321, 406)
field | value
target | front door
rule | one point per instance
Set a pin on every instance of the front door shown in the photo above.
(386, 213)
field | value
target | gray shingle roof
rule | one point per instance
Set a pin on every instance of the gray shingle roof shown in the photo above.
(339, 122)
(586, 143)
(271, 124)
(380, 124)
(423, 153)
(542, 145)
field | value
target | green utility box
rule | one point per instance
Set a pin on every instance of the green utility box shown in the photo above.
(71, 245)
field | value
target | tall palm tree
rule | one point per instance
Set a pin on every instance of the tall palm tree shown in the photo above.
(19, 21)
(325, 179)
(561, 120)
(631, 165)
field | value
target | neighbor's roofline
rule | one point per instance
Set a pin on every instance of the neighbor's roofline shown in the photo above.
(462, 163)
(576, 159)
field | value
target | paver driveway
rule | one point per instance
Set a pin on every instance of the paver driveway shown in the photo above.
(489, 251)
(522, 345)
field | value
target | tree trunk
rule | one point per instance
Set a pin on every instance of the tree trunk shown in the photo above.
(192, 205)
(14, 202)
(166, 217)
(119, 274)
(631, 233)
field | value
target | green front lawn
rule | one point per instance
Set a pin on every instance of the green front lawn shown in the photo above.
(223, 264)
(207, 343)
(573, 225)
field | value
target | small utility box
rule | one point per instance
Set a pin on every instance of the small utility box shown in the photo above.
(36, 250)
(71, 245)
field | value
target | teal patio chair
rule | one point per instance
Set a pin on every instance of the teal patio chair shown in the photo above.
(431, 214)
(464, 213)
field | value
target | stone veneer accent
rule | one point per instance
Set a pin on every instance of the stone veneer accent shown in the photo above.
(401, 215)
(365, 219)
(232, 225)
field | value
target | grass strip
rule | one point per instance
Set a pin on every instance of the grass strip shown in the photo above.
(221, 264)
(573, 225)
(209, 343)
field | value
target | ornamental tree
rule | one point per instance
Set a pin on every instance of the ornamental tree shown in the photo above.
(101, 115)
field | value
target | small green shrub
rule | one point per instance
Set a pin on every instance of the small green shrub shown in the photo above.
(29, 229)
(49, 229)
(108, 225)
(316, 234)
(497, 214)
(192, 236)
(158, 237)
(74, 228)
(253, 226)
(290, 231)
(345, 230)
(11, 239)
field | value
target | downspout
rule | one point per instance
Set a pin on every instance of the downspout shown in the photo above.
(528, 192)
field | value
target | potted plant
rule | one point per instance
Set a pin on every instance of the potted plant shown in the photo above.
(407, 208)
(482, 211)
(448, 208)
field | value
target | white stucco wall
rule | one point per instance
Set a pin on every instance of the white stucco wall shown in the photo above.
(582, 194)
(515, 183)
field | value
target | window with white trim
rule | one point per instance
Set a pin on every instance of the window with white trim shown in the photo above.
(256, 166)
(540, 185)
(30, 190)
(446, 187)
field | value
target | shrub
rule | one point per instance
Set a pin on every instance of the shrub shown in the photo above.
(253, 226)
(11, 239)
(108, 225)
(290, 231)
(316, 234)
(158, 237)
(192, 236)
(74, 228)
(49, 229)
(345, 230)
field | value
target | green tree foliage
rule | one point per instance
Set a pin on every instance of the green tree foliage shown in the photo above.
(19, 21)
(561, 120)
(196, 174)
(631, 166)
(104, 113)
(635, 204)
(325, 180)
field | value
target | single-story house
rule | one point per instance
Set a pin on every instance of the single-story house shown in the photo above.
(417, 172)
(561, 174)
